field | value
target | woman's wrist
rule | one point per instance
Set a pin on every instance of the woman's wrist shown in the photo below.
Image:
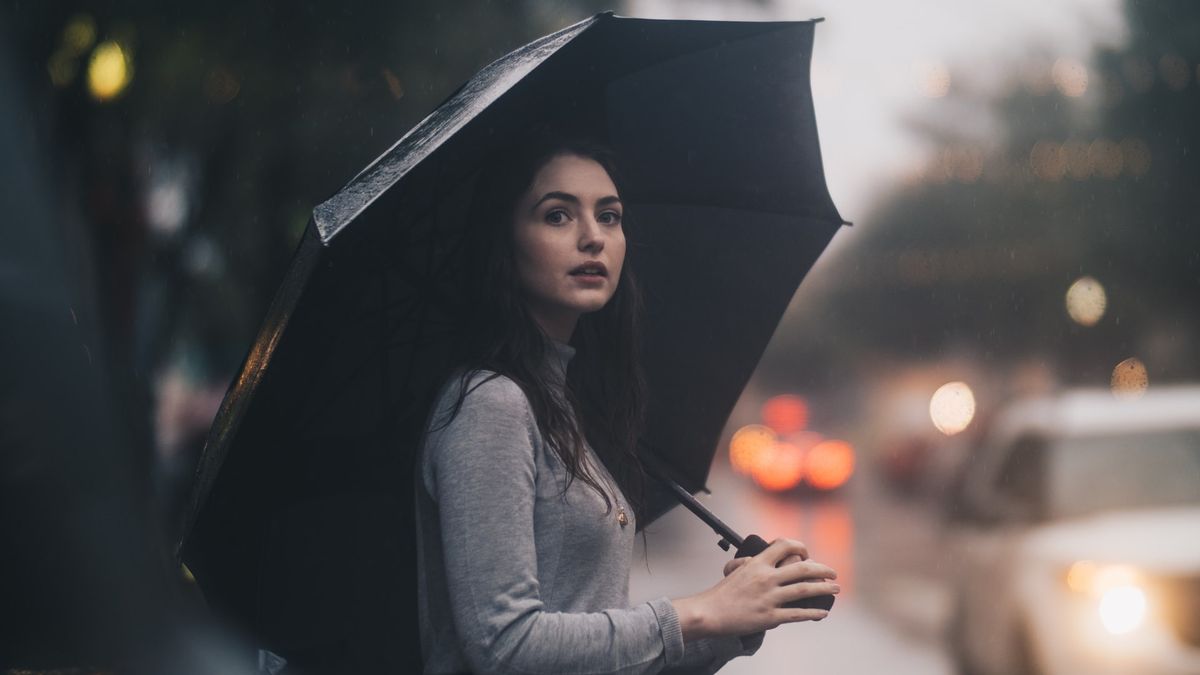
(694, 621)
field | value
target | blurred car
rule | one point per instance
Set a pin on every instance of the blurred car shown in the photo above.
(1075, 530)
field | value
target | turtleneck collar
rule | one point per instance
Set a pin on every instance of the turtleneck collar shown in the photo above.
(557, 360)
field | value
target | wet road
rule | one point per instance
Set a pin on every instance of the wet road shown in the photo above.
(889, 615)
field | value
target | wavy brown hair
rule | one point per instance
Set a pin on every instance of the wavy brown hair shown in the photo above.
(605, 392)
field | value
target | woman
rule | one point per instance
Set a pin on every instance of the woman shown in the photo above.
(525, 537)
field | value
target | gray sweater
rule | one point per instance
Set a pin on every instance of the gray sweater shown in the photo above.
(516, 576)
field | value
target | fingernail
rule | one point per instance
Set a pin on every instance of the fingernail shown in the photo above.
(837, 589)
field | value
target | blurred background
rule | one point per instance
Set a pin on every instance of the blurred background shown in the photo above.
(1008, 329)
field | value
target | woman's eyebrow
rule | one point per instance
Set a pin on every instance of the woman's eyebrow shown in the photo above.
(568, 197)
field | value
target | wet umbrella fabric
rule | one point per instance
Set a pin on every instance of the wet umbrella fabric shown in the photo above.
(302, 510)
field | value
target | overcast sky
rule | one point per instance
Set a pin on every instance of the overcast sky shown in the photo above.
(876, 63)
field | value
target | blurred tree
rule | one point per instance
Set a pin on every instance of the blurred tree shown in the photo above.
(1090, 174)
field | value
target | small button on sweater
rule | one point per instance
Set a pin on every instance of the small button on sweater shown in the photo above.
(519, 572)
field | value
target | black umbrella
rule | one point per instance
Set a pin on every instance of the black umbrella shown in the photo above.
(302, 498)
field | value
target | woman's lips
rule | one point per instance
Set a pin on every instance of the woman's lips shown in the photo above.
(590, 279)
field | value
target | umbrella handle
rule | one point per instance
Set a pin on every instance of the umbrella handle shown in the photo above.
(752, 545)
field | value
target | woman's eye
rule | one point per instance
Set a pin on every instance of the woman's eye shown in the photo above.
(610, 217)
(556, 217)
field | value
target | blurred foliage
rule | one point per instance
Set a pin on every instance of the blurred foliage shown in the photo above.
(972, 257)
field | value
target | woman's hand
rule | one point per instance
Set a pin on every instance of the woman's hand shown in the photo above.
(751, 596)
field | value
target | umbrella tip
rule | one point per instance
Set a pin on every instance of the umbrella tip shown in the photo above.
(818, 19)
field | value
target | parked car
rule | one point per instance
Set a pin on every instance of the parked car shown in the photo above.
(1075, 531)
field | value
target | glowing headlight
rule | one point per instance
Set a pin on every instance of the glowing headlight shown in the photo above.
(1121, 600)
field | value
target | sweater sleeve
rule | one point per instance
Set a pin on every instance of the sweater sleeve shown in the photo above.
(708, 655)
(482, 473)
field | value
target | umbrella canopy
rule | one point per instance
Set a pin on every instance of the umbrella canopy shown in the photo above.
(302, 502)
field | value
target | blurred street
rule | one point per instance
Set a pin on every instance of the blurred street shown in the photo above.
(892, 608)
(981, 406)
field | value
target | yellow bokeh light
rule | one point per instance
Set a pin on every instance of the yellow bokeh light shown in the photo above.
(933, 78)
(748, 445)
(1086, 301)
(79, 34)
(109, 71)
(1130, 379)
(1070, 76)
(952, 407)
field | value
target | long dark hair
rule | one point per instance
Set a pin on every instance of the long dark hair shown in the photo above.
(604, 399)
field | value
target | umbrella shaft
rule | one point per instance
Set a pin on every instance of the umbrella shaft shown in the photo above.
(703, 513)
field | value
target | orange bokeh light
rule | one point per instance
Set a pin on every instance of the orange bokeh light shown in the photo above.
(829, 464)
(748, 446)
(780, 468)
(786, 413)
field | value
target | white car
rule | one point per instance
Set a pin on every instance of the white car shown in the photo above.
(1075, 530)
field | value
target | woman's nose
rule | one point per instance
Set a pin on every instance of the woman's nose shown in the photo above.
(591, 236)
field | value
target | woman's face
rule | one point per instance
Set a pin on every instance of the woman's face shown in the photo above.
(569, 243)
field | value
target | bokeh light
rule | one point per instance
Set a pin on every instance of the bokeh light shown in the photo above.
(1048, 160)
(1081, 576)
(79, 34)
(109, 71)
(1070, 76)
(1086, 301)
(1130, 379)
(780, 467)
(1122, 609)
(1136, 155)
(748, 446)
(952, 407)
(829, 464)
(786, 413)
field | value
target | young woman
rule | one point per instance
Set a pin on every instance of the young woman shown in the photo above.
(525, 538)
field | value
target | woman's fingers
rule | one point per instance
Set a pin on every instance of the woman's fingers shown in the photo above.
(807, 589)
(734, 564)
(782, 548)
(790, 615)
(808, 569)
(793, 558)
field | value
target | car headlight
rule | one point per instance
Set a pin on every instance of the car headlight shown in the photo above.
(1118, 592)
